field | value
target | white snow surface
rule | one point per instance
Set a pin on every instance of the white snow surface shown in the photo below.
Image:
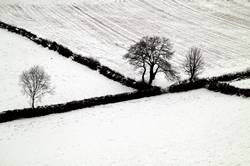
(245, 83)
(71, 80)
(196, 128)
(104, 29)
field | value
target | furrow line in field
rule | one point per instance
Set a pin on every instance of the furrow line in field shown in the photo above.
(62, 14)
(110, 23)
(228, 38)
(153, 12)
(122, 19)
(210, 16)
(43, 18)
(8, 13)
(181, 33)
(82, 22)
(237, 10)
(79, 28)
(99, 31)
(104, 32)
(157, 8)
(211, 34)
(103, 25)
(196, 18)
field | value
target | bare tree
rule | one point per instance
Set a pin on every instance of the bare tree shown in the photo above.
(193, 64)
(152, 55)
(35, 84)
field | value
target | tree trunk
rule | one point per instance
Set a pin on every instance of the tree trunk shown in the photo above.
(33, 102)
(192, 76)
(143, 75)
(151, 75)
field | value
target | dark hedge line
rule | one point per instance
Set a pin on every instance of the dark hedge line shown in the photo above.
(66, 52)
(225, 88)
(232, 76)
(74, 105)
(187, 85)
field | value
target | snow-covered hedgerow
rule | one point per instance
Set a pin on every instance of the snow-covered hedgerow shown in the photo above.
(214, 84)
(74, 105)
(226, 88)
(232, 76)
(187, 85)
(210, 84)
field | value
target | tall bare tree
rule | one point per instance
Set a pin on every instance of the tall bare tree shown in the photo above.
(35, 84)
(152, 55)
(194, 63)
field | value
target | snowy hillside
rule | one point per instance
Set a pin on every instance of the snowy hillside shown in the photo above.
(198, 128)
(105, 29)
(71, 80)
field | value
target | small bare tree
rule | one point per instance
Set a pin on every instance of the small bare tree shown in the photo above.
(193, 64)
(152, 55)
(35, 84)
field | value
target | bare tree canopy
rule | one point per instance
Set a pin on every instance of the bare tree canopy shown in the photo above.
(193, 64)
(152, 55)
(35, 84)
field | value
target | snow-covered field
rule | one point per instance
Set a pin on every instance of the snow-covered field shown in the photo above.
(245, 83)
(71, 80)
(104, 29)
(197, 128)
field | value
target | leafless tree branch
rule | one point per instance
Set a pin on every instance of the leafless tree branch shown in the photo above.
(35, 84)
(194, 63)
